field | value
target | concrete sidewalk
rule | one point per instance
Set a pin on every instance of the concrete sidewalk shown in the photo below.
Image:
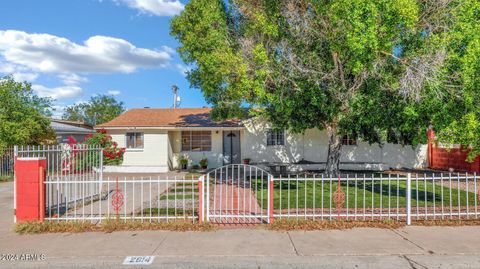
(410, 247)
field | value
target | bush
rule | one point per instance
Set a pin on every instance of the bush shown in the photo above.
(112, 154)
(203, 163)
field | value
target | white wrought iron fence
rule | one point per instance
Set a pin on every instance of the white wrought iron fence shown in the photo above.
(377, 197)
(6, 164)
(140, 198)
(76, 163)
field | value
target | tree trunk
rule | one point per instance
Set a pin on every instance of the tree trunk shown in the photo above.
(334, 146)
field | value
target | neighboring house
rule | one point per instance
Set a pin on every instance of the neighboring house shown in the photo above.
(64, 129)
(155, 140)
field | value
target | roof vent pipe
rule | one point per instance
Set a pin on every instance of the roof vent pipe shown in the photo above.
(176, 98)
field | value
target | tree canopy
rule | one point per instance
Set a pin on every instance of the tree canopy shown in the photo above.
(99, 109)
(458, 119)
(381, 70)
(23, 115)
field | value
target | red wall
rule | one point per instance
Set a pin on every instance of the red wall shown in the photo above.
(443, 159)
(30, 198)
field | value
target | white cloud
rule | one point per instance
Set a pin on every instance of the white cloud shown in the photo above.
(17, 72)
(72, 79)
(114, 93)
(99, 54)
(29, 77)
(58, 93)
(155, 7)
(183, 69)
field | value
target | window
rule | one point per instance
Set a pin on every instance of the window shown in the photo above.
(349, 140)
(134, 140)
(196, 141)
(275, 138)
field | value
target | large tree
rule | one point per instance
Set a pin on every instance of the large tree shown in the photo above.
(363, 67)
(99, 109)
(23, 115)
(458, 120)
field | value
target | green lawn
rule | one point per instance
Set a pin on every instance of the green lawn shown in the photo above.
(362, 195)
(163, 212)
(179, 196)
(6, 178)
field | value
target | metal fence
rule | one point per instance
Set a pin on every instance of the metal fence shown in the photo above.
(377, 197)
(241, 194)
(77, 164)
(7, 164)
(237, 193)
(141, 198)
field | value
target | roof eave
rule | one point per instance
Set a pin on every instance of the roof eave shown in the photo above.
(169, 127)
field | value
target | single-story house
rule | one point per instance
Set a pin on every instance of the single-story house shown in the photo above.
(64, 129)
(156, 139)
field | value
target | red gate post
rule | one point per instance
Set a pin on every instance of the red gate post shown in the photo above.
(200, 200)
(30, 189)
(270, 200)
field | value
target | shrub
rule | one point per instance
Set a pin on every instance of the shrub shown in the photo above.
(204, 163)
(113, 155)
(183, 162)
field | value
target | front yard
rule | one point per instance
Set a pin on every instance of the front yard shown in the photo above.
(364, 194)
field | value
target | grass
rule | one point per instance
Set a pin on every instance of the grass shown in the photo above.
(179, 189)
(179, 197)
(107, 226)
(376, 194)
(6, 178)
(194, 175)
(171, 212)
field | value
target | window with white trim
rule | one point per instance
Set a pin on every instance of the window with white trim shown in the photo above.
(134, 140)
(196, 140)
(275, 137)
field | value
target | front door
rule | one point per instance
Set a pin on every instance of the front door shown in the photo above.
(231, 147)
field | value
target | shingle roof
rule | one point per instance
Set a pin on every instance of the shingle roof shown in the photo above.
(62, 128)
(174, 117)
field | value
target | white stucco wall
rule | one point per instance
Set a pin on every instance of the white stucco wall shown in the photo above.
(154, 152)
(162, 148)
(313, 146)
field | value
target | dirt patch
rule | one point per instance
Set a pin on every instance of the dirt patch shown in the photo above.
(108, 226)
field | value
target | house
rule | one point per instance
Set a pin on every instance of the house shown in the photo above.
(64, 129)
(156, 139)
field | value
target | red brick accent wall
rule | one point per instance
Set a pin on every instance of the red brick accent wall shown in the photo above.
(455, 158)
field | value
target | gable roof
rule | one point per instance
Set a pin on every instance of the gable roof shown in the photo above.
(169, 118)
(63, 128)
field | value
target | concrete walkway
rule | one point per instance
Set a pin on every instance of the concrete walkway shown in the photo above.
(410, 247)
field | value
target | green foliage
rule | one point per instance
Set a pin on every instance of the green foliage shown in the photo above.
(383, 70)
(203, 163)
(112, 154)
(23, 115)
(100, 109)
(460, 123)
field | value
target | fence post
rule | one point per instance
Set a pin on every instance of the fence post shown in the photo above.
(200, 199)
(409, 199)
(270, 200)
(15, 154)
(30, 188)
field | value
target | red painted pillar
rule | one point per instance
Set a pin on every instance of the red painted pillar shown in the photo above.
(431, 138)
(30, 175)
(200, 200)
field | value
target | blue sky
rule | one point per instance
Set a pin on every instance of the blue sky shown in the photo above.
(71, 50)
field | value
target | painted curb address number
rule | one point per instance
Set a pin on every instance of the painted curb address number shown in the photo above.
(138, 260)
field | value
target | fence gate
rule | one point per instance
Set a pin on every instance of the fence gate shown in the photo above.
(237, 194)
